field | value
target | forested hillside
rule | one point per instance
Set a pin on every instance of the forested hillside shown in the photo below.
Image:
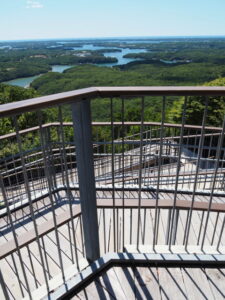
(169, 63)
(101, 107)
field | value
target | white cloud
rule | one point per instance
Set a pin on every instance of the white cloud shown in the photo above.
(34, 4)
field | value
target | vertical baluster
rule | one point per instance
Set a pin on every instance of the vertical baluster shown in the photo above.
(123, 166)
(215, 227)
(220, 144)
(28, 193)
(15, 240)
(200, 148)
(200, 228)
(221, 234)
(171, 226)
(3, 287)
(157, 210)
(69, 192)
(140, 172)
(112, 172)
(50, 188)
(208, 160)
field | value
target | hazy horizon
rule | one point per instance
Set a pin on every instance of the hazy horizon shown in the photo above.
(118, 37)
(56, 19)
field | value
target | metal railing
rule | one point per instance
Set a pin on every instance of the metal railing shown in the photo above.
(74, 189)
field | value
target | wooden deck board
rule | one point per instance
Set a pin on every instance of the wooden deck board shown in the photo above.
(110, 282)
(93, 291)
(147, 283)
(24, 224)
(126, 276)
(157, 284)
(171, 284)
(216, 279)
(196, 284)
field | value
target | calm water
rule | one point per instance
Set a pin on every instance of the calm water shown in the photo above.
(121, 59)
(25, 82)
(118, 55)
(60, 68)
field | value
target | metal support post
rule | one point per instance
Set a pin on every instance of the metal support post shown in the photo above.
(84, 154)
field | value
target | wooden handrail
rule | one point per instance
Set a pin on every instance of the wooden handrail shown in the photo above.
(169, 125)
(46, 101)
(162, 203)
(160, 91)
(93, 92)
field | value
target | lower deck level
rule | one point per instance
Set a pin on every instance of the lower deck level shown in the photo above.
(156, 283)
(61, 250)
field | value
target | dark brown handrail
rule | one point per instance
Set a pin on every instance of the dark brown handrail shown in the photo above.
(92, 92)
(170, 125)
(46, 101)
(161, 91)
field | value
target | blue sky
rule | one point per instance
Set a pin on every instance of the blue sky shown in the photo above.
(43, 19)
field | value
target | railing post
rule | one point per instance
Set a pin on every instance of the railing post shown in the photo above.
(85, 164)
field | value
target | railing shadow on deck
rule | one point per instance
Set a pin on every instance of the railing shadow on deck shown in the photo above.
(141, 183)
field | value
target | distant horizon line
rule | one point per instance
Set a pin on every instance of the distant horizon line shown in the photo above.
(116, 37)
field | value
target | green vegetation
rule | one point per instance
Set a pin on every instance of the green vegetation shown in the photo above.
(185, 56)
(195, 108)
(186, 62)
(21, 69)
(173, 74)
(131, 75)
(10, 94)
(22, 62)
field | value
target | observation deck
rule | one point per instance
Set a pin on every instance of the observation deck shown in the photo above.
(117, 209)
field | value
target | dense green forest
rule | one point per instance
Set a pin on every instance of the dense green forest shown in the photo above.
(195, 107)
(130, 74)
(28, 62)
(188, 63)
(22, 59)
(101, 112)
(139, 75)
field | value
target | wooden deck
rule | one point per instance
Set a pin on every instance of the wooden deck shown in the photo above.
(51, 249)
(156, 283)
(119, 220)
(125, 223)
(41, 240)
